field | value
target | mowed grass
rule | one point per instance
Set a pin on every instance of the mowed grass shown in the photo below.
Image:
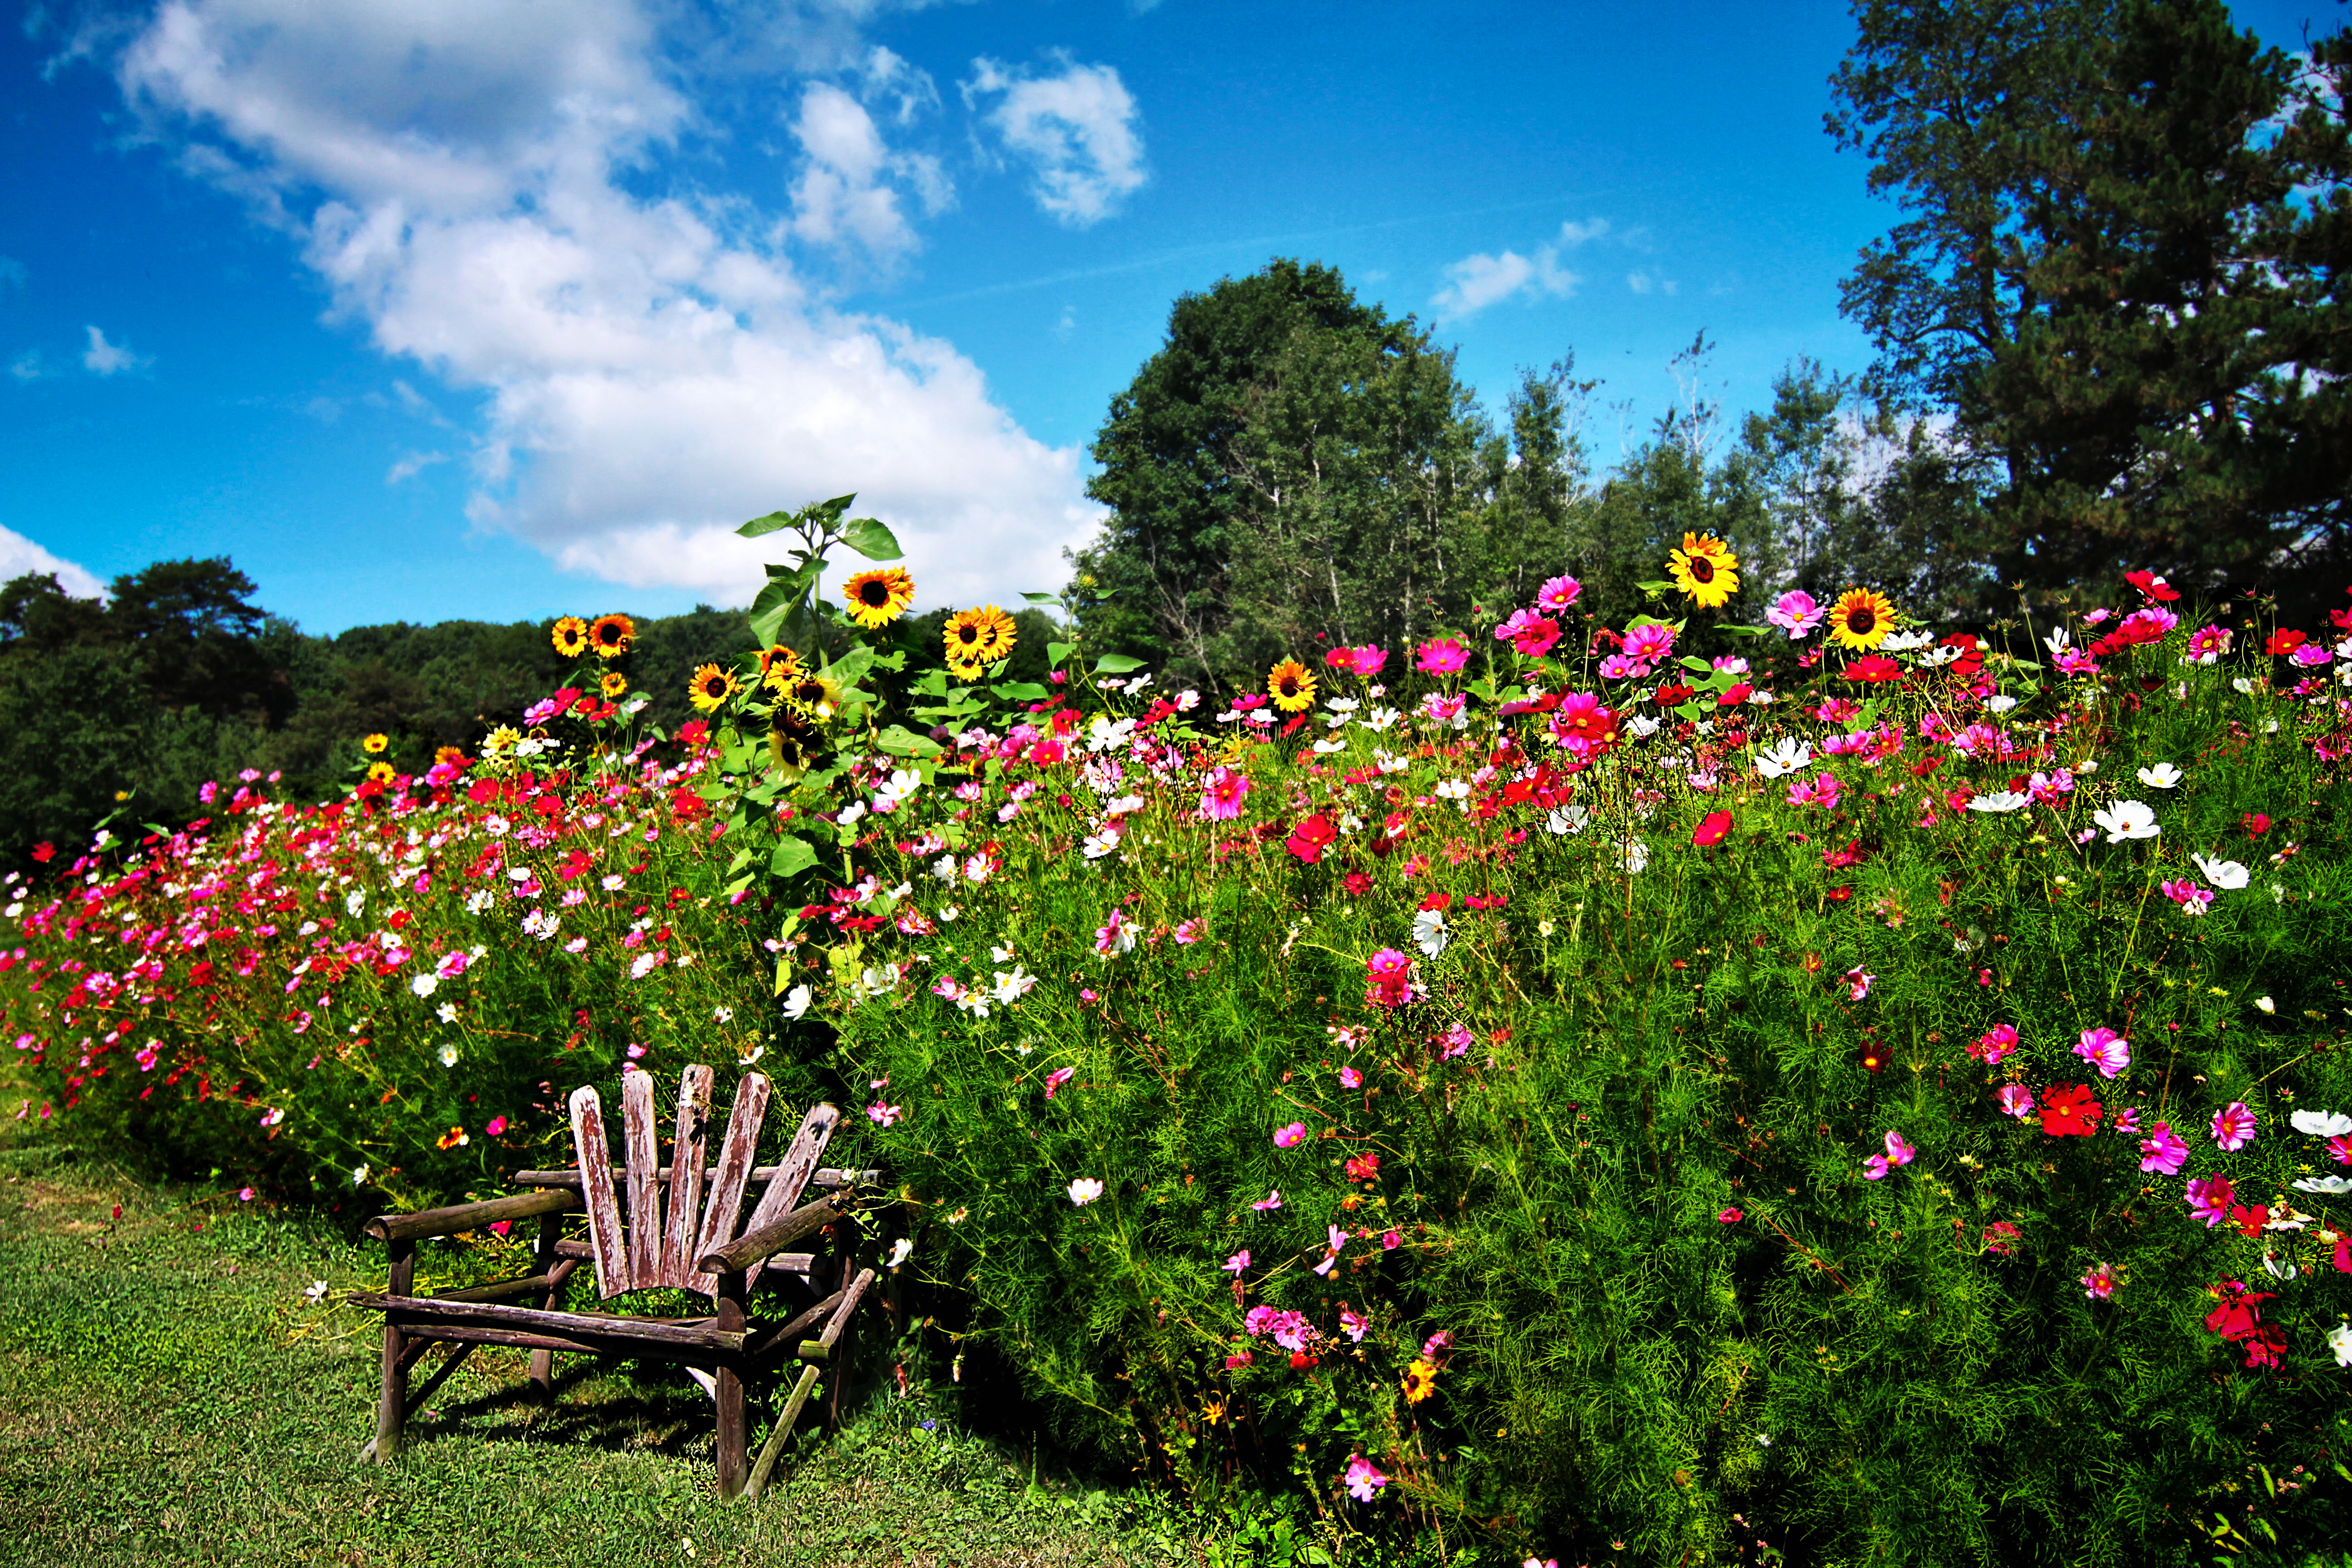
(168, 1395)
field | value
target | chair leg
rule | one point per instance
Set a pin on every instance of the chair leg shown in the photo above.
(392, 1398)
(729, 1394)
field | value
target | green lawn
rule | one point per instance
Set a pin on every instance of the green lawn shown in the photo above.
(167, 1394)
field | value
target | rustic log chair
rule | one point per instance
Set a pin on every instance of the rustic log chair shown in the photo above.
(688, 1243)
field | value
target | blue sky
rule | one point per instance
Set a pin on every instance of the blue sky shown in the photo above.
(504, 309)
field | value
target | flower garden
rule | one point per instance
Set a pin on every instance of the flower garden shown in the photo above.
(1682, 1090)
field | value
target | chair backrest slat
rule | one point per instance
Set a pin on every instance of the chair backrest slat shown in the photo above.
(604, 1234)
(792, 1177)
(680, 1230)
(644, 1179)
(736, 1156)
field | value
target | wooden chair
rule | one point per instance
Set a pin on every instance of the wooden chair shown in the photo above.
(681, 1233)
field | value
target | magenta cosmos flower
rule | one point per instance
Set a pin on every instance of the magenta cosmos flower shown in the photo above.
(1898, 1152)
(2015, 1099)
(2106, 1050)
(1290, 1137)
(2163, 1152)
(1558, 592)
(2233, 1126)
(2210, 1198)
(1391, 978)
(1994, 1044)
(1441, 656)
(1364, 1478)
(1528, 632)
(2099, 1283)
(1649, 643)
(1223, 793)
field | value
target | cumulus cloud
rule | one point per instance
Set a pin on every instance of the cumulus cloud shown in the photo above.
(1077, 131)
(652, 370)
(102, 358)
(1479, 280)
(19, 555)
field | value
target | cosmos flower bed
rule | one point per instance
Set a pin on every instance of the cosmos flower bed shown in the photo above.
(1874, 1094)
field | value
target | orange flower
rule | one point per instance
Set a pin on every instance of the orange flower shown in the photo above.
(612, 635)
(455, 1138)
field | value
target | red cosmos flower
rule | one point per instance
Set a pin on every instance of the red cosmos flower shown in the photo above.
(2068, 1111)
(1310, 838)
(2238, 1319)
(1839, 859)
(1674, 691)
(1438, 902)
(1582, 716)
(1357, 883)
(1712, 829)
(1876, 667)
(1363, 1167)
(2341, 619)
(2154, 586)
(2254, 822)
(1736, 696)
(45, 853)
(687, 805)
(1972, 658)
(2286, 642)
(1873, 1055)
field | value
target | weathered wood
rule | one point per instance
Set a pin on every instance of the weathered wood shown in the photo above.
(729, 1393)
(534, 1285)
(774, 1339)
(735, 1156)
(575, 1343)
(824, 1176)
(423, 1312)
(791, 1176)
(612, 1257)
(458, 1352)
(681, 1231)
(821, 1348)
(392, 1395)
(467, 1216)
(558, 1270)
(759, 1244)
(774, 1445)
(837, 1392)
(643, 1147)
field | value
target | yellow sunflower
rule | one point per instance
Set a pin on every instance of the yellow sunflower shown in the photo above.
(1291, 687)
(380, 771)
(814, 695)
(977, 637)
(710, 687)
(878, 596)
(1705, 570)
(792, 745)
(571, 636)
(449, 754)
(612, 635)
(780, 666)
(614, 685)
(1861, 619)
(1420, 1382)
(374, 744)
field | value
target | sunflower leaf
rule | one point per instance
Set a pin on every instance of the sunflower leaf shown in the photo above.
(1116, 664)
(1021, 691)
(899, 740)
(792, 853)
(1053, 599)
(1056, 652)
(768, 524)
(870, 539)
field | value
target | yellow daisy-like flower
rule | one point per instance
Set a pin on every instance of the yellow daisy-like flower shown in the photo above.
(380, 771)
(455, 1138)
(374, 744)
(780, 666)
(1705, 570)
(612, 635)
(501, 740)
(710, 687)
(1861, 619)
(571, 636)
(614, 685)
(977, 637)
(1291, 687)
(878, 596)
(791, 745)
(814, 695)
(1420, 1382)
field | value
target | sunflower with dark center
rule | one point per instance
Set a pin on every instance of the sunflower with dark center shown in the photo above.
(1861, 619)
(614, 685)
(374, 744)
(1291, 687)
(977, 637)
(612, 635)
(1420, 1381)
(878, 596)
(571, 636)
(449, 756)
(1705, 570)
(814, 695)
(381, 773)
(780, 666)
(710, 687)
(792, 745)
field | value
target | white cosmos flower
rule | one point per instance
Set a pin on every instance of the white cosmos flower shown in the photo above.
(2001, 704)
(1785, 755)
(2128, 819)
(2163, 775)
(2000, 800)
(425, 984)
(1325, 748)
(1011, 985)
(1636, 858)
(1429, 931)
(900, 1250)
(2340, 1340)
(2226, 875)
(2321, 1123)
(944, 869)
(1568, 819)
(797, 1000)
(2330, 1185)
(448, 1055)
(1085, 1190)
(1098, 845)
(1641, 726)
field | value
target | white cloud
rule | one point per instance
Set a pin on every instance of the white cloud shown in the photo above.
(19, 555)
(1643, 283)
(414, 464)
(102, 358)
(842, 196)
(1479, 280)
(652, 370)
(1077, 131)
(27, 366)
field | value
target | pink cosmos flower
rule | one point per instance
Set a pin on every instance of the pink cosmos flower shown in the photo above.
(1391, 1241)
(1364, 1478)
(1857, 983)
(2233, 1126)
(2210, 1198)
(1994, 1044)
(1365, 661)
(1441, 656)
(2000, 1237)
(1057, 1078)
(1391, 978)
(498, 1124)
(1189, 933)
(2164, 1151)
(2208, 644)
(2339, 1148)
(2104, 1049)
(1558, 592)
(1649, 643)
(1353, 1324)
(1528, 632)
(246, 1196)
(1823, 792)
(2015, 1099)
(1113, 936)
(1351, 1079)
(1898, 1152)
(1730, 1216)
(1221, 795)
(2052, 789)
(1440, 708)
(2185, 892)
(2100, 1283)
(1237, 1262)
(1795, 614)
(1618, 667)
(1458, 1041)
(452, 965)
(1290, 1137)
(882, 1115)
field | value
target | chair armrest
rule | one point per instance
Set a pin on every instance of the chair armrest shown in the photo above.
(469, 1216)
(770, 1239)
